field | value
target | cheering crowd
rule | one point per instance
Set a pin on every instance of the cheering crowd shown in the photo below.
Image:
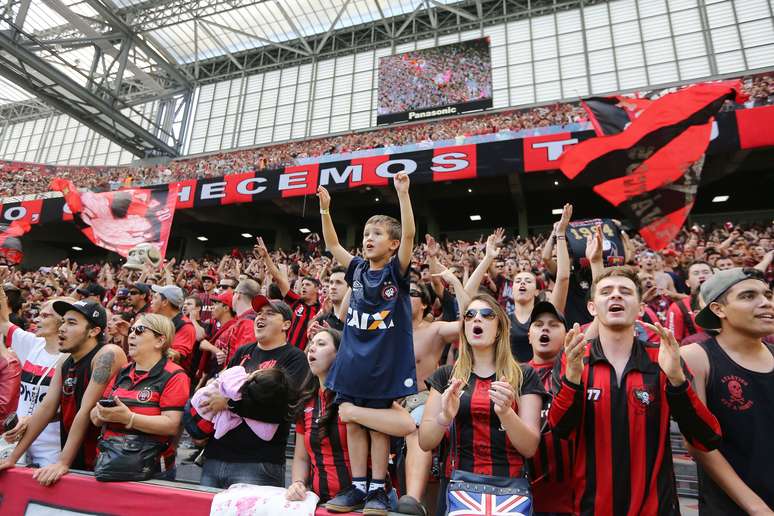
(517, 363)
(451, 74)
(25, 178)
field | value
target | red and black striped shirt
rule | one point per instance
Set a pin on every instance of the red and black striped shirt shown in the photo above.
(482, 445)
(551, 467)
(328, 457)
(75, 379)
(623, 457)
(302, 314)
(149, 393)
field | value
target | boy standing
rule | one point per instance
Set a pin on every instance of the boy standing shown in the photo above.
(375, 363)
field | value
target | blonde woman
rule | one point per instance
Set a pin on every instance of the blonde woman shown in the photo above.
(493, 401)
(149, 394)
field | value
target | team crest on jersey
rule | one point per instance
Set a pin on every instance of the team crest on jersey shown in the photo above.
(68, 386)
(371, 322)
(389, 291)
(642, 398)
(267, 364)
(735, 399)
(300, 311)
(144, 395)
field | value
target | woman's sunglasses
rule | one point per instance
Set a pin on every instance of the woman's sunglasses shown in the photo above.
(486, 313)
(140, 329)
(415, 293)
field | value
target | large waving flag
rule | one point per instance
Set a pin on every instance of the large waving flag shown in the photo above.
(10, 245)
(120, 220)
(650, 166)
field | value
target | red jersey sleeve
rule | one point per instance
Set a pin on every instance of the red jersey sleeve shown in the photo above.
(175, 393)
(291, 297)
(184, 341)
(10, 377)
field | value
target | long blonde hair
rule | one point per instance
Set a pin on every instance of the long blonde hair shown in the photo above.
(505, 365)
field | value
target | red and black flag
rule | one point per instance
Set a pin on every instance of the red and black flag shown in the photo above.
(120, 220)
(611, 115)
(11, 251)
(651, 169)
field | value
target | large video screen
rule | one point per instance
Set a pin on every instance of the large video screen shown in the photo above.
(434, 82)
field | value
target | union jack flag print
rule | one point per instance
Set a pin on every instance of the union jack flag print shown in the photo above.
(462, 503)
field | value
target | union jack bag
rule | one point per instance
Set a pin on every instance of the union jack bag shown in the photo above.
(474, 494)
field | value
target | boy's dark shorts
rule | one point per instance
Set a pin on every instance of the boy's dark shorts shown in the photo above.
(362, 402)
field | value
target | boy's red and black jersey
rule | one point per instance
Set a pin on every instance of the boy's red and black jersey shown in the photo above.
(623, 457)
(551, 467)
(149, 393)
(482, 444)
(302, 314)
(75, 379)
(328, 457)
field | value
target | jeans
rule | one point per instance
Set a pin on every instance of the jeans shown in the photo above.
(220, 474)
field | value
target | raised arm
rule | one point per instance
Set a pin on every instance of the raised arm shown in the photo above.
(594, 252)
(562, 283)
(766, 261)
(279, 277)
(408, 228)
(493, 244)
(329, 231)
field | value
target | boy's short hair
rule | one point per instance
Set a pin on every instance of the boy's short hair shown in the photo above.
(392, 224)
(618, 272)
(313, 280)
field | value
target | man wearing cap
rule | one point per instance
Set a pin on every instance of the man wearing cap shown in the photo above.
(239, 455)
(218, 347)
(138, 299)
(76, 387)
(93, 293)
(681, 314)
(167, 301)
(209, 281)
(552, 463)
(734, 376)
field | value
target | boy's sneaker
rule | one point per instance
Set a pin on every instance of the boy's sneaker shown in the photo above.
(409, 505)
(349, 500)
(376, 503)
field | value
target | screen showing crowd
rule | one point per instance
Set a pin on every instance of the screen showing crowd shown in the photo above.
(444, 80)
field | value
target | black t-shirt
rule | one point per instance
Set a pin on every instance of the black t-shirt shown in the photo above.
(241, 444)
(520, 348)
(481, 444)
(330, 318)
(575, 310)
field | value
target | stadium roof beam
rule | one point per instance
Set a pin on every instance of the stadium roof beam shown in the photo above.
(96, 109)
(257, 37)
(333, 26)
(459, 12)
(382, 18)
(300, 35)
(220, 43)
(431, 15)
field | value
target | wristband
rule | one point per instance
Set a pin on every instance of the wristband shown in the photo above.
(560, 237)
(325, 212)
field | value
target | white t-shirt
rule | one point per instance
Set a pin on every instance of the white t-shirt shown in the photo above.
(36, 362)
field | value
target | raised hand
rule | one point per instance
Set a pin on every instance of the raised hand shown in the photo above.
(450, 402)
(402, 182)
(431, 247)
(502, 395)
(668, 354)
(260, 249)
(574, 348)
(325, 198)
(494, 242)
(594, 246)
(561, 228)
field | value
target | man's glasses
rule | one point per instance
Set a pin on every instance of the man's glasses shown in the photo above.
(415, 293)
(134, 292)
(140, 329)
(224, 286)
(486, 313)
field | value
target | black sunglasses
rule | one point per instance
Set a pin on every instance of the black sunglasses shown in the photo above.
(415, 293)
(134, 292)
(140, 329)
(224, 286)
(486, 313)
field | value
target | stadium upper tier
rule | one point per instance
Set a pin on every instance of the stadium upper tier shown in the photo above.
(18, 179)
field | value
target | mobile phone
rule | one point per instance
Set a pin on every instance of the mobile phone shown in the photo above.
(107, 402)
(10, 422)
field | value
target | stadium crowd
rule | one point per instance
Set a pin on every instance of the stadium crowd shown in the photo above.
(492, 357)
(24, 178)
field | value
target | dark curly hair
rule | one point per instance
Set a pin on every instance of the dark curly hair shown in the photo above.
(309, 390)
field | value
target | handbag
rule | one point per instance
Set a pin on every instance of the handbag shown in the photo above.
(128, 458)
(474, 493)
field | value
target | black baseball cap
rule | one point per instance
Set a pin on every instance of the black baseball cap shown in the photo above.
(546, 307)
(92, 289)
(93, 312)
(280, 307)
(142, 287)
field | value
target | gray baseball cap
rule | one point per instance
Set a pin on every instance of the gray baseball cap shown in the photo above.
(718, 285)
(171, 293)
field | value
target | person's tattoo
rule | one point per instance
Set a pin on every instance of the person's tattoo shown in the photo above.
(101, 373)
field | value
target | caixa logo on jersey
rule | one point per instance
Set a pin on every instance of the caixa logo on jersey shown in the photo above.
(370, 322)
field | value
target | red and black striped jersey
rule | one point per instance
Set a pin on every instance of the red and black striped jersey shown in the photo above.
(623, 457)
(149, 393)
(75, 379)
(302, 314)
(328, 457)
(482, 446)
(551, 467)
